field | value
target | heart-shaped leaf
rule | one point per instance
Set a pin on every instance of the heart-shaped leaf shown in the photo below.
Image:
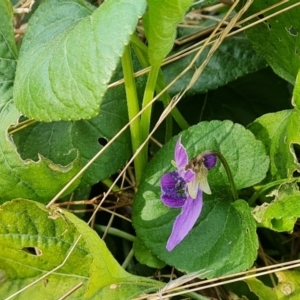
(55, 140)
(68, 56)
(223, 239)
(39, 180)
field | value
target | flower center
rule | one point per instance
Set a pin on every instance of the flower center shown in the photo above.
(180, 186)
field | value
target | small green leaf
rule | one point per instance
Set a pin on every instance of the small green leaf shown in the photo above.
(160, 24)
(68, 56)
(288, 286)
(234, 58)
(277, 39)
(223, 240)
(282, 213)
(34, 241)
(280, 134)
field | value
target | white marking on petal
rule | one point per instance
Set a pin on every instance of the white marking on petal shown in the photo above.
(202, 179)
(193, 188)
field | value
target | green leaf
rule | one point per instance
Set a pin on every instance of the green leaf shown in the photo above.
(8, 51)
(234, 58)
(39, 180)
(56, 139)
(27, 226)
(282, 213)
(68, 56)
(145, 256)
(288, 286)
(279, 132)
(223, 239)
(276, 39)
(160, 24)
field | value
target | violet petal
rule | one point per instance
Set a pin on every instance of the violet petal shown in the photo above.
(181, 157)
(185, 221)
(187, 175)
(168, 181)
(173, 200)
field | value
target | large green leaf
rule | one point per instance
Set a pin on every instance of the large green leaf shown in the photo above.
(277, 39)
(34, 241)
(223, 240)
(160, 24)
(39, 180)
(280, 134)
(234, 58)
(56, 139)
(68, 56)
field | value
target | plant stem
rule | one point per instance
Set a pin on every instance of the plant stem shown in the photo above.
(227, 170)
(108, 182)
(229, 174)
(148, 96)
(115, 232)
(128, 259)
(133, 109)
(141, 51)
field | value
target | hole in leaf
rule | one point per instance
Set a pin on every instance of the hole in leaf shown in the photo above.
(102, 141)
(32, 251)
(261, 16)
(277, 223)
(296, 149)
(292, 31)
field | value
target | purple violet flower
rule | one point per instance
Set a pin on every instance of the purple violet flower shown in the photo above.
(183, 189)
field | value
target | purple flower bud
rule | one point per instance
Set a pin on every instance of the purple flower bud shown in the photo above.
(210, 161)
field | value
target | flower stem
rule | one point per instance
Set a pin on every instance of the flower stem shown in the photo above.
(227, 170)
(133, 109)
